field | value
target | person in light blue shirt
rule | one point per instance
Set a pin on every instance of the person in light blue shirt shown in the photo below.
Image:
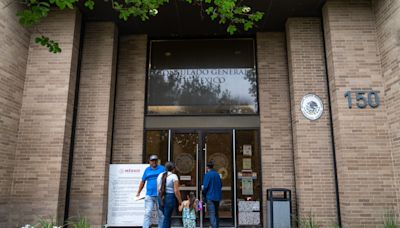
(212, 192)
(150, 176)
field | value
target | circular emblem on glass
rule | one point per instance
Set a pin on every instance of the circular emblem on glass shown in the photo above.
(223, 172)
(311, 106)
(221, 164)
(185, 163)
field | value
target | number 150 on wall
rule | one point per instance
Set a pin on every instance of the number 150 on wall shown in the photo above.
(363, 98)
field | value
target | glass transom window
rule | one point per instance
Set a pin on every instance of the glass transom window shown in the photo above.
(202, 77)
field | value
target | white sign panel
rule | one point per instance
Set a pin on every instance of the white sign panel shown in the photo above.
(124, 209)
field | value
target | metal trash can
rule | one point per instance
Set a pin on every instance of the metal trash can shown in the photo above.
(279, 208)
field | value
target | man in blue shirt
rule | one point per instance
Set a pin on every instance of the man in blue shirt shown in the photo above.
(212, 191)
(150, 176)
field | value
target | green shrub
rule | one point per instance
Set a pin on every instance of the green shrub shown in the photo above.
(79, 223)
(46, 223)
(390, 220)
(335, 225)
(307, 222)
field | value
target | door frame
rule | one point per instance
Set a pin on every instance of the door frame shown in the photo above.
(200, 155)
(235, 132)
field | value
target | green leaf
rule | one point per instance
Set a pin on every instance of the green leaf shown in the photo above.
(117, 6)
(209, 10)
(238, 10)
(62, 4)
(45, 4)
(43, 42)
(30, 16)
(256, 16)
(231, 29)
(70, 3)
(51, 45)
(124, 14)
(248, 25)
(89, 4)
(229, 4)
(38, 40)
(144, 17)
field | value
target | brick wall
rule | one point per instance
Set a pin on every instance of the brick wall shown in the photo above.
(130, 99)
(14, 42)
(312, 144)
(361, 135)
(41, 157)
(94, 123)
(387, 16)
(275, 126)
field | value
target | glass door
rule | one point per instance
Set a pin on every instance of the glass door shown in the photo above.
(217, 147)
(232, 151)
(191, 150)
(185, 154)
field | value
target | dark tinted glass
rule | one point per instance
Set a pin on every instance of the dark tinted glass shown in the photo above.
(198, 54)
(202, 77)
(156, 143)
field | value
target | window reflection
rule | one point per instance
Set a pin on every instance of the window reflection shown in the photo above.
(156, 143)
(202, 91)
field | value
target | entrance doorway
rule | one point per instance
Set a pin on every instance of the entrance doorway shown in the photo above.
(191, 150)
(236, 158)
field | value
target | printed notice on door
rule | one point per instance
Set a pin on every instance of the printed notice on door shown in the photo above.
(124, 209)
(247, 150)
(247, 163)
(247, 186)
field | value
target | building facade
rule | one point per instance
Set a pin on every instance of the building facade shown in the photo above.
(65, 117)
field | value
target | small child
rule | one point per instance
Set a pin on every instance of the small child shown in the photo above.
(189, 209)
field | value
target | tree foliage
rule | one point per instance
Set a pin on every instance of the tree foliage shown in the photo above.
(231, 13)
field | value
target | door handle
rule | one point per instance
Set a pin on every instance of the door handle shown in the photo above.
(202, 211)
(197, 170)
(205, 157)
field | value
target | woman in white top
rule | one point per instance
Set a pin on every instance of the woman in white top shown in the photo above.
(168, 192)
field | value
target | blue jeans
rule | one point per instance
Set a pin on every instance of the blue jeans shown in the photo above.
(213, 207)
(169, 206)
(149, 203)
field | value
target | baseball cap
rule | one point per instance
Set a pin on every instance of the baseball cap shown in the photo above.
(153, 157)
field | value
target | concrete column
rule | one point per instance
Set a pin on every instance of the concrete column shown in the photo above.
(14, 43)
(94, 123)
(275, 127)
(364, 161)
(130, 100)
(313, 153)
(41, 159)
(387, 16)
